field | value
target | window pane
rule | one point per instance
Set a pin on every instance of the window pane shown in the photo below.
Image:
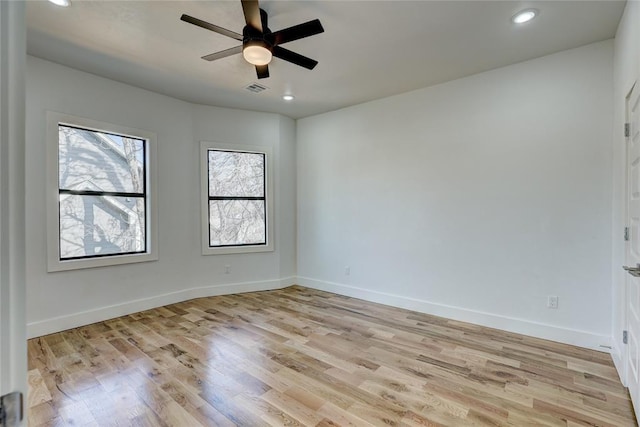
(91, 225)
(97, 161)
(236, 222)
(233, 174)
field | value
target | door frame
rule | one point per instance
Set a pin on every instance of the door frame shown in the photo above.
(624, 375)
(13, 343)
(625, 350)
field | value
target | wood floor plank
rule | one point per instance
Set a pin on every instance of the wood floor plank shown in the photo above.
(304, 357)
(38, 392)
(294, 408)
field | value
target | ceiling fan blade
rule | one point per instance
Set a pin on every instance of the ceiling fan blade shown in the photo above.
(294, 58)
(296, 32)
(251, 11)
(262, 71)
(223, 53)
(207, 26)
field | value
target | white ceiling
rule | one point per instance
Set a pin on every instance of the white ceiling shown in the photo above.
(369, 50)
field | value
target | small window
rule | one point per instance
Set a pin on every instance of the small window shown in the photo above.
(236, 200)
(104, 213)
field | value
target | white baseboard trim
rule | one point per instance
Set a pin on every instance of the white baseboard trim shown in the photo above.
(57, 324)
(521, 326)
(511, 324)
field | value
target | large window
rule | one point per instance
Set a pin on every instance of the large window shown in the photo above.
(103, 203)
(236, 199)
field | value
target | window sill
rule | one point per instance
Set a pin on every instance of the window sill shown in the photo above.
(106, 261)
(236, 249)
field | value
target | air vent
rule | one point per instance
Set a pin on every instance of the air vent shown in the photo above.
(256, 88)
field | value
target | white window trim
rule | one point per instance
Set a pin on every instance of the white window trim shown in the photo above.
(205, 146)
(52, 197)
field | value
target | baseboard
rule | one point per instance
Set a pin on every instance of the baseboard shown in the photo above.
(521, 326)
(57, 324)
(511, 324)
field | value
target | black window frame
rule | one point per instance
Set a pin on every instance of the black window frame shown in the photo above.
(263, 198)
(144, 195)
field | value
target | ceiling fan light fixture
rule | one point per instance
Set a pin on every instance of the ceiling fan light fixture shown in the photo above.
(524, 16)
(257, 52)
(62, 3)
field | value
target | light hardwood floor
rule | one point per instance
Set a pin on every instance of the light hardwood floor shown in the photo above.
(303, 357)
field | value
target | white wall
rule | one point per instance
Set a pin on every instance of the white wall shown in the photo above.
(626, 72)
(474, 199)
(286, 197)
(60, 300)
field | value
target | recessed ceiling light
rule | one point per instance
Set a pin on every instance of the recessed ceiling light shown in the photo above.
(524, 16)
(288, 97)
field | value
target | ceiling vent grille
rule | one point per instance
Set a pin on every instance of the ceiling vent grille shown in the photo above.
(256, 88)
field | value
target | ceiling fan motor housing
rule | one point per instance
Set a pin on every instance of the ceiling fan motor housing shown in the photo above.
(250, 35)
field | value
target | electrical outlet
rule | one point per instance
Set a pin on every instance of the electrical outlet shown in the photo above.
(227, 269)
(347, 271)
(552, 301)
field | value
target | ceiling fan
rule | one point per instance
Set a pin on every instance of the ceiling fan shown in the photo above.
(259, 44)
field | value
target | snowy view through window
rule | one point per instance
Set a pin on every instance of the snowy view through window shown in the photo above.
(102, 193)
(237, 213)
